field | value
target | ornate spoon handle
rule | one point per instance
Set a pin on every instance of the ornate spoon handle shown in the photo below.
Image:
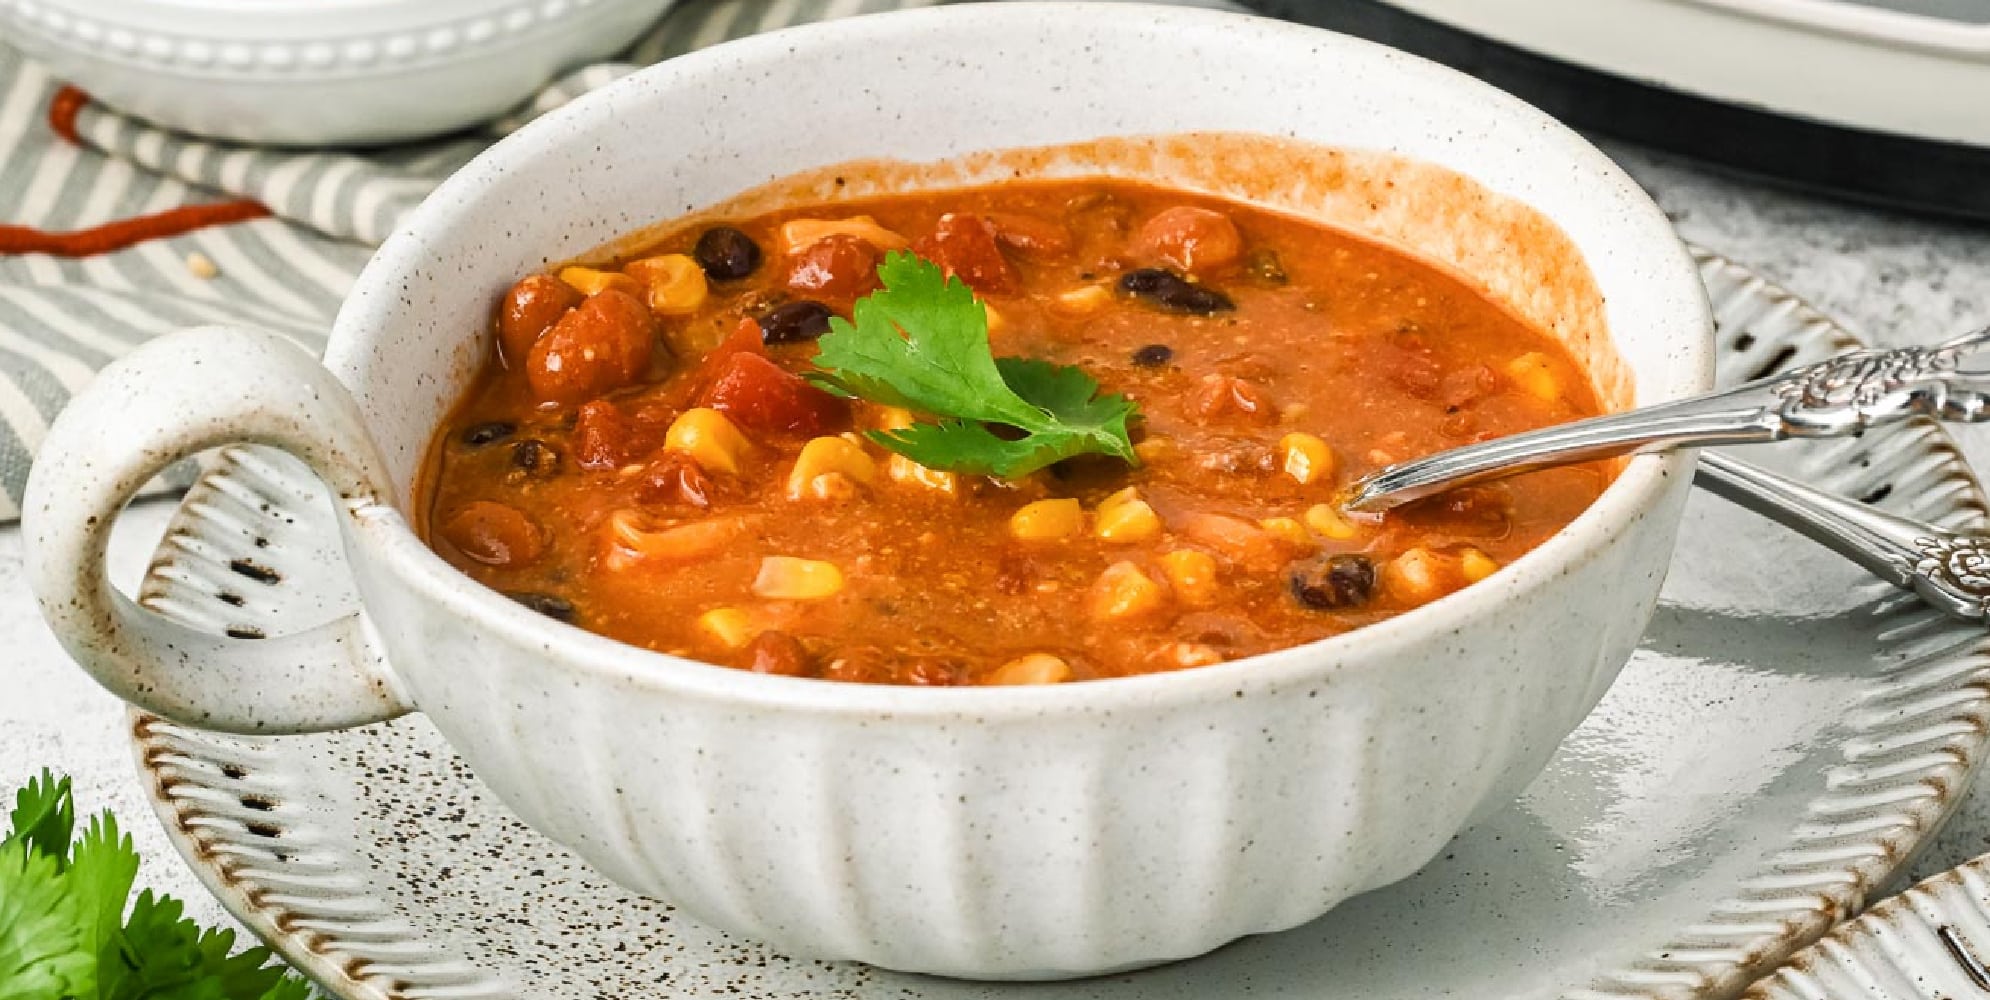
(1948, 569)
(1834, 398)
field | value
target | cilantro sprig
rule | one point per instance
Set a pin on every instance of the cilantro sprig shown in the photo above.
(921, 342)
(65, 932)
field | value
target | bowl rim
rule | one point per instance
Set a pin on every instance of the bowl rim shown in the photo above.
(1630, 496)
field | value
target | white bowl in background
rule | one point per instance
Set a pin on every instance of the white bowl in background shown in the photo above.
(994, 832)
(319, 72)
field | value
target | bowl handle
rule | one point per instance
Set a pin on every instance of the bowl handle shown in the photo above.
(172, 398)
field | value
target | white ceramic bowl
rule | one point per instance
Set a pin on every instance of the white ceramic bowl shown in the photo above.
(319, 72)
(1009, 833)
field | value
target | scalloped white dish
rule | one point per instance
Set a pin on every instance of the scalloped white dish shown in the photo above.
(1789, 732)
(322, 73)
(1911, 67)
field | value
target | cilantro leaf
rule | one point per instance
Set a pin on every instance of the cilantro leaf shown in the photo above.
(921, 342)
(1070, 395)
(42, 951)
(43, 817)
(973, 448)
(100, 875)
(64, 932)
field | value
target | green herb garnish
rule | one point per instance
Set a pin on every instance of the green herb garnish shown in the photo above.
(921, 342)
(65, 932)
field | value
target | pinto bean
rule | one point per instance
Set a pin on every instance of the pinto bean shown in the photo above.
(494, 534)
(528, 310)
(1223, 397)
(1193, 239)
(777, 652)
(599, 346)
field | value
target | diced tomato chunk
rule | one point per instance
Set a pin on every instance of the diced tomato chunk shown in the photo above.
(605, 437)
(673, 478)
(964, 246)
(837, 270)
(760, 395)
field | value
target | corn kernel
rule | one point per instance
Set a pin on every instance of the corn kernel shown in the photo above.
(1476, 565)
(829, 456)
(1035, 668)
(1082, 300)
(800, 234)
(1182, 655)
(892, 418)
(1328, 522)
(1123, 591)
(676, 283)
(1129, 521)
(1305, 457)
(709, 438)
(589, 281)
(786, 578)
(1192, 574)
(1287, 529)
(1044, 520)
(1155, 449)
(1127, 495)
(730, 626)
(629, 539)
(1535, 376)
(1415, 576)
(905, 470)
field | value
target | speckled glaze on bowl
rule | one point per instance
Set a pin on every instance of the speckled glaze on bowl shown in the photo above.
(322, 72)
(998, 833)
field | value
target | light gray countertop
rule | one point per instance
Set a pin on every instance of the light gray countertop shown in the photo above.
(1892, 279)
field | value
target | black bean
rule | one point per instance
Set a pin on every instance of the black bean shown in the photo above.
(1264, 266)
(1173, 292)
(794, 322)
(535, 457)
(1342, 581)
(726, 254)
(556, 608)
(488, 432)
(1153, 355)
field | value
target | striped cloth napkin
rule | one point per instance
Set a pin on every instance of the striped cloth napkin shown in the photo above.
(67, 164)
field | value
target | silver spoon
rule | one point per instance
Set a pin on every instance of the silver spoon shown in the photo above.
(1834, 398)
(1949, 569)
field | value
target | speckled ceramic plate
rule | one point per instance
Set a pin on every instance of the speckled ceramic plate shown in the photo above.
(1788, 734)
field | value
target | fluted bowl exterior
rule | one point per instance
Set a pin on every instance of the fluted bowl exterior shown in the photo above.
(1007, 833)
(1046, 840)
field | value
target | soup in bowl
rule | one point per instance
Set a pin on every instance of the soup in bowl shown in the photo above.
(1194, 701)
